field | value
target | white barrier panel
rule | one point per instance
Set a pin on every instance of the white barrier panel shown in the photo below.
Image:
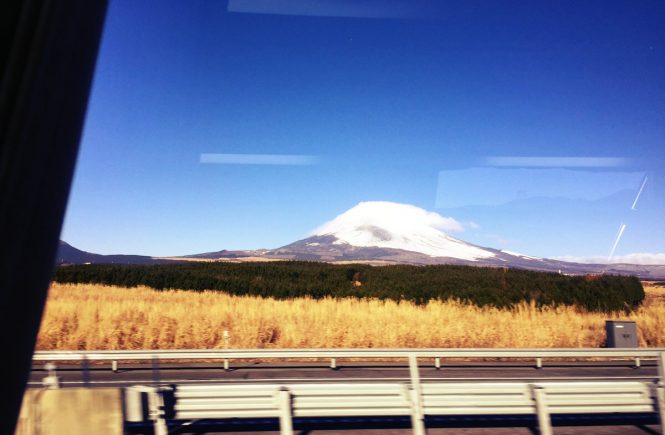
(374, 400)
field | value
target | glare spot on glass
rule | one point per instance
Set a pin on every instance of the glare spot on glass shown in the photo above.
(259, 159)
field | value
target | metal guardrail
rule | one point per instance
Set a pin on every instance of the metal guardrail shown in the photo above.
(411, 355)
(436, 355)
(292, 404)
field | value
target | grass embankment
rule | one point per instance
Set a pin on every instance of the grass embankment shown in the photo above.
(85, 316)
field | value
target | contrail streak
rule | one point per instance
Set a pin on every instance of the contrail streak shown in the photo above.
(639, 192)
(622, 228)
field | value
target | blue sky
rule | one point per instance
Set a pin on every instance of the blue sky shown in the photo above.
(411, 110)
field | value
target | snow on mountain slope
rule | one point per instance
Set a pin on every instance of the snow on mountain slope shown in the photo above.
(400, 226)
(517, 254)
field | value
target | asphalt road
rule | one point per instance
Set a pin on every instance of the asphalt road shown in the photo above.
(131, 374)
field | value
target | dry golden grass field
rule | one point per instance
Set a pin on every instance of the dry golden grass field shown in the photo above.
(98, 317)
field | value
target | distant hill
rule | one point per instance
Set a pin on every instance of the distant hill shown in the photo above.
(67, 254)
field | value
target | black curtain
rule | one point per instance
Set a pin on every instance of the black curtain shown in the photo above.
(47, 59)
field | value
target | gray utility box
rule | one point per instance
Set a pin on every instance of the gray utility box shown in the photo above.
(621, 333)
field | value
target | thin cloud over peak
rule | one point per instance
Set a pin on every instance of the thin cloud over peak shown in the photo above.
(642, 258)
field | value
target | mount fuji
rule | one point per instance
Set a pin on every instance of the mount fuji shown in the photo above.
(387, 232)
(400, 226)
(383, 233)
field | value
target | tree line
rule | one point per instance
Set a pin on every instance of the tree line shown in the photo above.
(500, 287)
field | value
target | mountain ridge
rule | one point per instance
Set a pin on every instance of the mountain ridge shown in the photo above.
(381, 233)
(67, 254)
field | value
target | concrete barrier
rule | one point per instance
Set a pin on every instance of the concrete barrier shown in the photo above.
(71, 411)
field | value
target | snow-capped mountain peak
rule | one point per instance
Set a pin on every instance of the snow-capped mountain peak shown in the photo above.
(400, 226)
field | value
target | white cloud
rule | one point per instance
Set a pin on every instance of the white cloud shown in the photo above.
(635, 258)
(398, 218)
(443, 223)
(473, 225)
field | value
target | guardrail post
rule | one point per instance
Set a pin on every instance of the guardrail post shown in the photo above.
(114, 366)
(285, 411)
(417, 417)
(133, 406)
(539, 363)
(544, 422)
(333, 363)
(660, 398)
(417, 409)
(437, 363)
(226, 364)
(638, 363)
(156, 410)
(414, 371)
(660, 390)
(51, 381)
